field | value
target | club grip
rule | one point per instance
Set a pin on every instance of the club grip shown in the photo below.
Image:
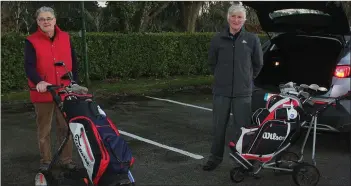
(49, 88)
(52, 87)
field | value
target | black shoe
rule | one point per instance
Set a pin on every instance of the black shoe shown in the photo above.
(210, 166)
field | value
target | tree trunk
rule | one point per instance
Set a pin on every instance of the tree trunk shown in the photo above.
(151, 14)
(190, 12)
(138, 16)
(17, 17)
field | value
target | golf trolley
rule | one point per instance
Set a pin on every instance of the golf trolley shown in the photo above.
(266, 145)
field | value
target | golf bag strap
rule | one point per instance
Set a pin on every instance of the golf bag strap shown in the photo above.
(94, 109)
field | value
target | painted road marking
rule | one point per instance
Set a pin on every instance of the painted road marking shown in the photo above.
(180, 103)
(195, 156)
(189, 105)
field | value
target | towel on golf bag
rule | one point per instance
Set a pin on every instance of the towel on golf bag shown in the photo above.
(103, 151)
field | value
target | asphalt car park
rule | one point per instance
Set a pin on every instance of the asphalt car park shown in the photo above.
(170, 137)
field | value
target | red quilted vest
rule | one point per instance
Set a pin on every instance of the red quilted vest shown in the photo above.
(47, 53)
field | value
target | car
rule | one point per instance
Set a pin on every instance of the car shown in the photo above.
(309, 43)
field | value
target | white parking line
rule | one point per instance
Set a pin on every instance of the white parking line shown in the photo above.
(195, 156)
(180, 103)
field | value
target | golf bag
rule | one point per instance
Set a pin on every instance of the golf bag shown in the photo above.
(104, 153)
(274, 126)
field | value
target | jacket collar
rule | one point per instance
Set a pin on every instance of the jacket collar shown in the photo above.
(57, 30)
(227, 35)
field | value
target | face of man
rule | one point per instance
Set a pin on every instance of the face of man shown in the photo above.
(236, 20)
(46, 21)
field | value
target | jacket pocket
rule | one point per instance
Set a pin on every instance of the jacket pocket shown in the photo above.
(223, 74)
(247, 52)
(247, 48)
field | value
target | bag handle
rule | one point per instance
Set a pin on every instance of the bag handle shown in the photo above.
(94, 109)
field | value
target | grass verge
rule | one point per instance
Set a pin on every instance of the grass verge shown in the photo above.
(129, 87)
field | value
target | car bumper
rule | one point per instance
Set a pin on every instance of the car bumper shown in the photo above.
(334, 118)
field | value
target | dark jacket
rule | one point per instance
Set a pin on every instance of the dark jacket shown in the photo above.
(235, 62)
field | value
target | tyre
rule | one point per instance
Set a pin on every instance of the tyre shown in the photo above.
(237, 174)
(288, 160)
(306, 174)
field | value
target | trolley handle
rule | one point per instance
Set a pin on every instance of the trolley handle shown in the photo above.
(335, 100)
(50, 88)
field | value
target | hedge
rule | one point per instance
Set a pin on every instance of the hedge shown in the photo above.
(112, 55)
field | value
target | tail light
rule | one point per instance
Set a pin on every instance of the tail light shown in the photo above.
(342, 71)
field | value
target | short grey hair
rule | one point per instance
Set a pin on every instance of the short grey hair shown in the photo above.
(45, 9)
(236, 8)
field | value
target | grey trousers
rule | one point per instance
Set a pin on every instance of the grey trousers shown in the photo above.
(241, 110)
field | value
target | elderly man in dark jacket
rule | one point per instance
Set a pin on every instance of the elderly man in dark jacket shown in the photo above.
(235, 60)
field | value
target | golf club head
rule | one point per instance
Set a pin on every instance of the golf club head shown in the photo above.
(322, 89)
(67, 76)
(305, 94)
(59, 64)
(314, 87)
(304, 86)
(290, 84)
(286, 85)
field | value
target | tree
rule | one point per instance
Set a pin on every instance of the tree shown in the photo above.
(189, 14)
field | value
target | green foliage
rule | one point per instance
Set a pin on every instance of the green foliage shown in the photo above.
(12, 70)
(114, 56)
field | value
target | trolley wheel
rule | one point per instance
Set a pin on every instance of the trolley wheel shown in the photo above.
(237, 174)
(127, 184)
(42, 179)
(306, 174)
(290, 159)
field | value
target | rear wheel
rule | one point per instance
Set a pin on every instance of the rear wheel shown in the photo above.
(237, 174)
(287, 160)
(306, 174)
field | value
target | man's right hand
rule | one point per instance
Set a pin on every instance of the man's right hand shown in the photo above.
(41, 86)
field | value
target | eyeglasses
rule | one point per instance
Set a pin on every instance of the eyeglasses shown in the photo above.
(47, 19)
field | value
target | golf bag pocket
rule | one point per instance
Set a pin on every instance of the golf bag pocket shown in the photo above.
(88, 146)
(259, 116)
(101, 148)
(120, 154)
(246, 138)
(270, 137)
(80, 105)
(262, 115)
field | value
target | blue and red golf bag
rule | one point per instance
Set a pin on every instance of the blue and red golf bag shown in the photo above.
(105, 154)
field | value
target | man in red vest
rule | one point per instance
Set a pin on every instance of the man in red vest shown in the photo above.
(42, 49)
